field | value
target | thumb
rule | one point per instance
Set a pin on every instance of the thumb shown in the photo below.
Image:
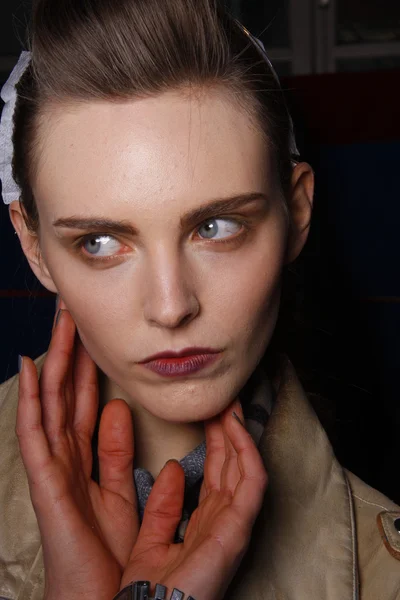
(164, 507)
(115, 450)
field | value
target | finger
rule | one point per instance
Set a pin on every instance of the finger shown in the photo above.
(115, 450)
(55, 380)
(60, 305)
(56, 313)
(230, 473)
(163, 510)
(69, 394)
(32, 440)
(250, 490)
(69, 389)
(86, 403)
(215, 455)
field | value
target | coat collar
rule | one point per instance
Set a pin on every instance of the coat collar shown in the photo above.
(303, 543)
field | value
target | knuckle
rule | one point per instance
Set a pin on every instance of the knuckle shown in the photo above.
(214, 446)
(88, 387)
(215, 455)
(259, 478)
(164, 512)
(51, 375)
(115, 453)
(23, 431)
(27, 396)
(49, 388)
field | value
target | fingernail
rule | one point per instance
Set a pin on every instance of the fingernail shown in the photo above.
(58, 316)
(237, 418)
(172, 460)
(20, 363)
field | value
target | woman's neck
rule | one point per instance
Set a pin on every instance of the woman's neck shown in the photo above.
(156, 440)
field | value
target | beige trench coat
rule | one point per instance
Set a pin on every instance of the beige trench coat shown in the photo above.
(322, 534)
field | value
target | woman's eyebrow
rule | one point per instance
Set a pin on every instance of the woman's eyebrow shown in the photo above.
(194, 216)
(222, 205)
(96, 224)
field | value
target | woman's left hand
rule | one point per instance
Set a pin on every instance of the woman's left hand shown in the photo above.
(220, 528)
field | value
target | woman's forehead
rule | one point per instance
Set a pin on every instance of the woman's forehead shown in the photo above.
(171, 147)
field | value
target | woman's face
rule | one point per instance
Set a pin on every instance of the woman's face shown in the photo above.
(161, 258)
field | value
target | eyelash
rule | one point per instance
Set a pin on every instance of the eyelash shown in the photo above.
(82, 241)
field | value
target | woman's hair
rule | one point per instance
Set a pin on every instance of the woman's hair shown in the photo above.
(87, 50)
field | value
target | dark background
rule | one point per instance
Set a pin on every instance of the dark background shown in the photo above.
(345, 99)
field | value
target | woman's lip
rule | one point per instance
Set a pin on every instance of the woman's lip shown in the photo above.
(171, 354)
(181, 366)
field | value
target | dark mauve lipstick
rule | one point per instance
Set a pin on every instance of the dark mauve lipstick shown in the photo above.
(185, 362)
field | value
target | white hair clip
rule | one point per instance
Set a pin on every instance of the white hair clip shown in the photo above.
(10, 190)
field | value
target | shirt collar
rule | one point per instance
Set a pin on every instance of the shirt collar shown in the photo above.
(257, 400)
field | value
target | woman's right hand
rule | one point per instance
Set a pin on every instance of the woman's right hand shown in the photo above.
(87, 530)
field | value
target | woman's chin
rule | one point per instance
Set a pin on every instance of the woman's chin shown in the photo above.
(192, 403)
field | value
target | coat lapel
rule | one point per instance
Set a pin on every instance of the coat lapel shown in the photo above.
(21, 565)
(304, 542)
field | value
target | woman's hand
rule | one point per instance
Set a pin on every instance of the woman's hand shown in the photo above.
(219, 530)
(88, 530)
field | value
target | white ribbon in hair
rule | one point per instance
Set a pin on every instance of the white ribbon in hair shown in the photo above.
(10, 189)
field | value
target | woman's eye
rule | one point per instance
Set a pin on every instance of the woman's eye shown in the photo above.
(102, 246)
(219, 228)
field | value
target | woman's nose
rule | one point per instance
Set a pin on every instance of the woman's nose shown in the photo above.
(170, 300)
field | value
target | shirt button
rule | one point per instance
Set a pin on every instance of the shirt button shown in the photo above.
(397, 525)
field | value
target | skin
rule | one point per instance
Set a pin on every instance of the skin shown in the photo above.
(150, 162)
(91, 540)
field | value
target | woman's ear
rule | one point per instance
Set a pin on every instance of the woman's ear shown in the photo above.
(300, 203)
(30, 246)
